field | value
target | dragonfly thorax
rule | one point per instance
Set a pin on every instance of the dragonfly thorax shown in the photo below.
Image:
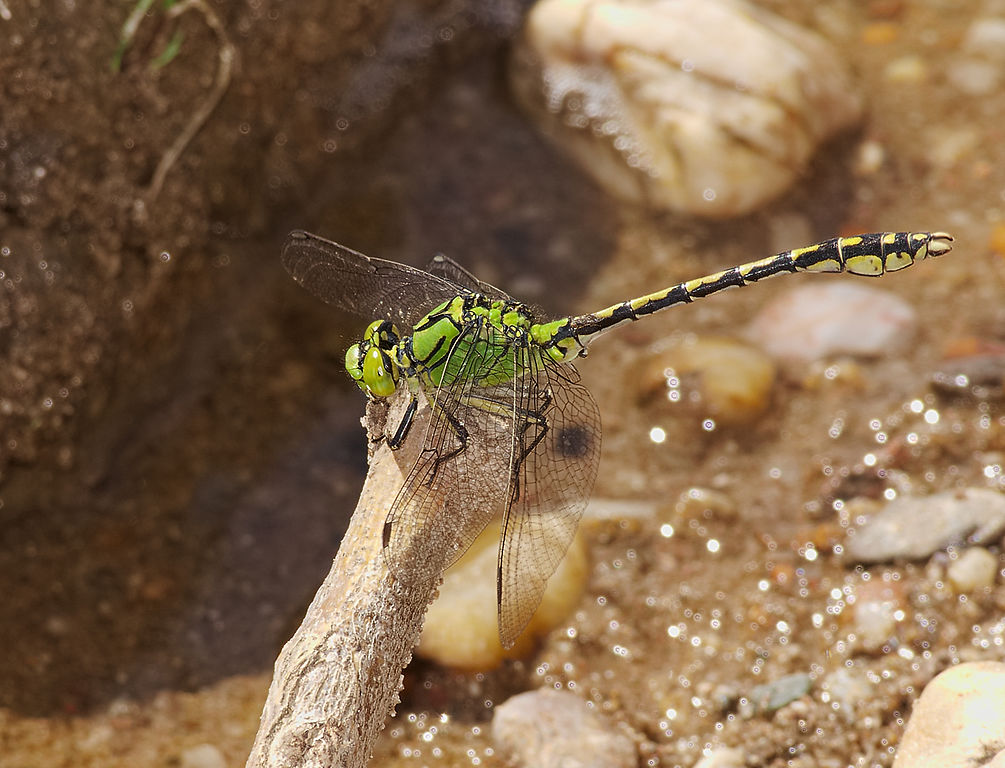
(372, 362)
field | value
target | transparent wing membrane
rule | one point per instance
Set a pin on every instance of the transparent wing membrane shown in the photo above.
(558, 451)
(511, 430)
(371, 288)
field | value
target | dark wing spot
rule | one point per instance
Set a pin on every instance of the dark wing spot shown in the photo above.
(574, 441)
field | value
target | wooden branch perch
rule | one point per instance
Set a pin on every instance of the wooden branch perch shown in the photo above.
(337, 679)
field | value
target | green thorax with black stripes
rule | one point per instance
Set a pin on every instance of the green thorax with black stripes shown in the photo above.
(485, 341)
(471, 338)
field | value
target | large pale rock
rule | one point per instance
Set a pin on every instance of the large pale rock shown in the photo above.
(959, 721)
(710, 107)
(461, 628)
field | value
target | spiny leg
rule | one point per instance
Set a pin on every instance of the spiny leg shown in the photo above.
(395, 441)
(457, 481)
(526, 418)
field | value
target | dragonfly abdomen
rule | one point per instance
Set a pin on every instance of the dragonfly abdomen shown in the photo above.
(871, 255)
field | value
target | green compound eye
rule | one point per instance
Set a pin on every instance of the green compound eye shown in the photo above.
(354, 365)
(379, 373)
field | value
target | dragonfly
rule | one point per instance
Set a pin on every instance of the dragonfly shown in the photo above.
(511, 431)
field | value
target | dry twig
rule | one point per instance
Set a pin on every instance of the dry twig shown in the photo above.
(337, 679)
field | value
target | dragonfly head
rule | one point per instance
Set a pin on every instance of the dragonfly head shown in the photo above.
(371, 362)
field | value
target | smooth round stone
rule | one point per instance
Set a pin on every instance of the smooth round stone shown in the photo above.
(907, 70)
(846, 688)
(723, 757)
(913, 527)
(727, 380)
(461, 629)
(978, 70)
(975, 568)
(202, 756)
(959, 720)
(707, 107)
(879, 607)
(772, 696)
(975, 77)
(813, 322)
(557, 729)
(986, 37)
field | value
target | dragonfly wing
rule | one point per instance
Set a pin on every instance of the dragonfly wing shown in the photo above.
(460, 479)
(445, 267)
(370, 288)
(554, 468)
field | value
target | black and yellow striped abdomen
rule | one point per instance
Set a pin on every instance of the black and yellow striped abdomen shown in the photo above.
(872, 255)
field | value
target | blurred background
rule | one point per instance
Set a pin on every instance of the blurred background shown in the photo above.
(180, 447)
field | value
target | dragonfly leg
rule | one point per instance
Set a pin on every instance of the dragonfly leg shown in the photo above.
(529, 418)
(462, 438)
(395, 441)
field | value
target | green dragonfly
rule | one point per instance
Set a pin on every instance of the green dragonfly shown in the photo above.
(511, 429)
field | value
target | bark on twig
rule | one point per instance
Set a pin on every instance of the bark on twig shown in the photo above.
(337, 679)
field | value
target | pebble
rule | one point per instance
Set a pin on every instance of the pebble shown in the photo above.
(557, 729)
(959, 720)
(949, 146)
(906, 70)
(770, 697)
(869, 160)
(846, 688)
(203, 756)
(727, 380)
(997, 238)
(723, 757)
(880, 33)
(812, 322)
(461, 627)
(913, 527)
(976, 568)
(978, 70)
(986, 37)
(879, 607)
(980, 375)
(706, 107)
(974, 76)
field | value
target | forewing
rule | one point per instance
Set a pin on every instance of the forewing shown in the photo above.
(371, 288)
(457, 484)
(550, 486)
(448, 269)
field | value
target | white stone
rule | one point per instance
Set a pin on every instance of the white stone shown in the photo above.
(722, 757)
(710, 107)
(814, 322)
(975, 568)
(557, 729)
(986, 38)
(975, 76)
(847, 688)
(202, 756)
(878, 608)
(958, 719)
(913, 527)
